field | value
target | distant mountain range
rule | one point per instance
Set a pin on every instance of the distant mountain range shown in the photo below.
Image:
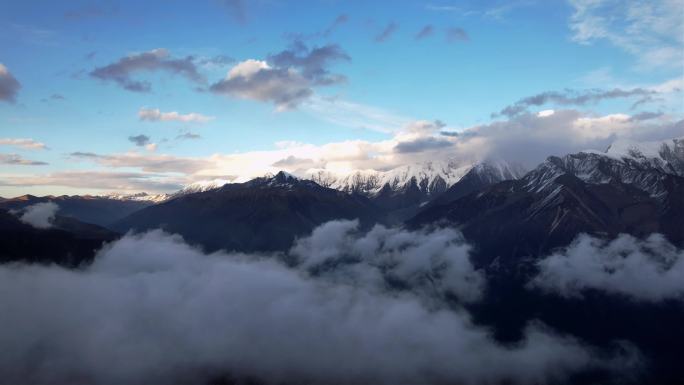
(631, 187)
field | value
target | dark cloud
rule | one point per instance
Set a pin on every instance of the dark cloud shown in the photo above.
(425, 32)
(386, 33)
(646, 270)
(81, 154)
(422, 144)
(571, 98)
(139, 140)
(452, 134)
(188, 136)
(339, 20)
(122, 70)
(456, 34)
(9, 85)
(646, 115)
(168, 313)
(287, 78)
(18, 160)
(312, 63)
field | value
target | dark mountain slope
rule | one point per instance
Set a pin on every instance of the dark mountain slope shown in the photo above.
(69, 242)
(264, 214)
(97, 210)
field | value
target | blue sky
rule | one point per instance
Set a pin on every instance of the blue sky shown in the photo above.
(376, 79)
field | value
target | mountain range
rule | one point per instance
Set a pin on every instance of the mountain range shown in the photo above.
(634, 188)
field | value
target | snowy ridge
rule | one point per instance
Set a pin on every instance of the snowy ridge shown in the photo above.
(430, 177)
(638, 164)
(138, 197)
(201, 186)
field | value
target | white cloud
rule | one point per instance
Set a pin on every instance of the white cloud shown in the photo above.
(652, 30)
(39, 215)
(155, 115)
(27, 144)
(168, 313)
(647, 270)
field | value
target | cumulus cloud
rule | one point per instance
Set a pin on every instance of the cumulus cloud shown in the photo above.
(39, 215)
(18, 160)
(257, 80)
(456, 34)
(312, 63)
(435, 262)
(166, 312)
(425, 32)
(9, 85)
(155, 115)
(121, 71)
(23, 143)
(572, 98)
(646, 270)
(139, 140)
(651, 30)
(285, 79)
(387, 32)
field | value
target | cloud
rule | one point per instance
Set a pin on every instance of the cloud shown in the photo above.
(387, 33)
(155, 115)
(286, 79)
(237, 10)
(149, 163)
(572, 98)
(99, 180)
(651, 30)
(422, 144)
(138, 140)
(121, 71)
(292, 162)
(256, 80)
(349, 114)
(9, 85)
(311, 63)
(645, 270)
(646, 115)
(456, 34)
(435, 263)
(18, 160)
(39, 215)
(339, 21)
(23, 143)
(169, 313)
(425, 32)
(188, 135)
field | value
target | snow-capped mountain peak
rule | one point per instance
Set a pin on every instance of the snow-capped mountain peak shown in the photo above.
(201, 186)
(138, 197)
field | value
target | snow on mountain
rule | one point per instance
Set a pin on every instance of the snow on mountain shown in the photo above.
(430, 177)
(138, 197)
(201, 186)
(640, 164)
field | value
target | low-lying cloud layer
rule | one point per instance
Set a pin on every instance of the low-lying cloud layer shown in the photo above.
(39, 215)
(153, 309)
(646, 270)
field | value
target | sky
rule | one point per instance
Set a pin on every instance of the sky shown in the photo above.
(129, 96)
